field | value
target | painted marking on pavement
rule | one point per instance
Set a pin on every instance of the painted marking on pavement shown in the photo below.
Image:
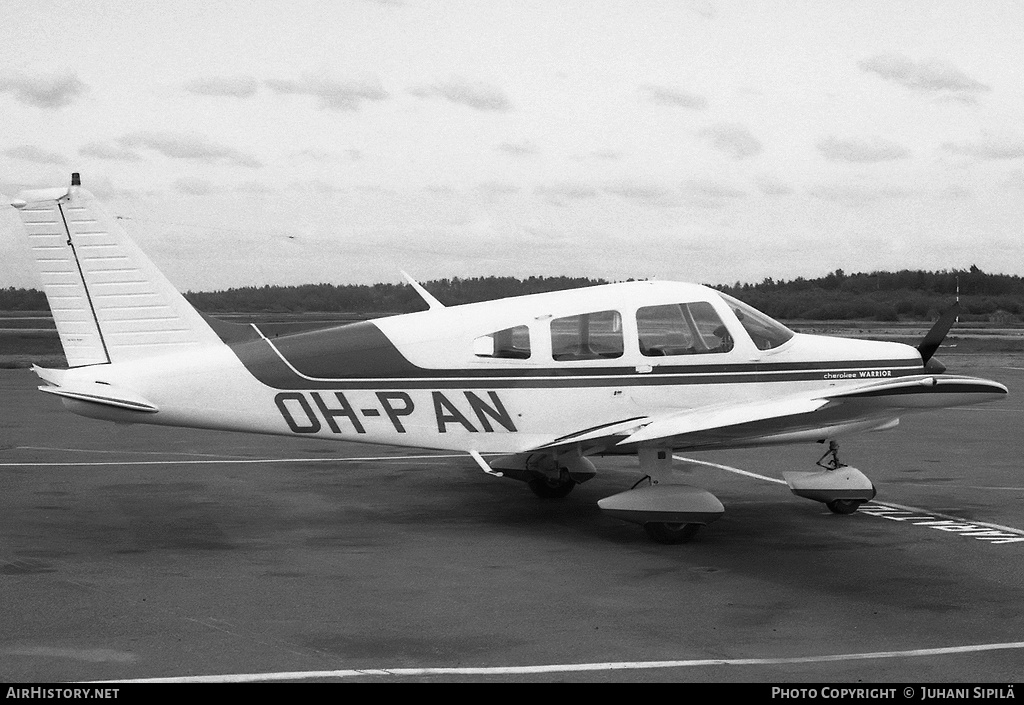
(111, 451)
(230, 461)
(574, 667)
(979, 530)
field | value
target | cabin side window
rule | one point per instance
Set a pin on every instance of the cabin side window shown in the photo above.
(511, 343)
(681, 329)
(589, 336)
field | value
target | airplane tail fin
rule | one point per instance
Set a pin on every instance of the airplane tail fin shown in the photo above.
(109, 302)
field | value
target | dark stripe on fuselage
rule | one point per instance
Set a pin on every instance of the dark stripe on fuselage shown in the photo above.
(360, 356)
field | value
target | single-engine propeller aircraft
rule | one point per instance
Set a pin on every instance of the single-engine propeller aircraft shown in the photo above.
(540, 384)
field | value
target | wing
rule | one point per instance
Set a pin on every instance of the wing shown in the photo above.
(924, 391)
(681, 425)
(813, 415)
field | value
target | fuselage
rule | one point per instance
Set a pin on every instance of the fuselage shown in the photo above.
(510, 375)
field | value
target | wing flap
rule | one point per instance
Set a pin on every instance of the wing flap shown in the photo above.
(596, 433)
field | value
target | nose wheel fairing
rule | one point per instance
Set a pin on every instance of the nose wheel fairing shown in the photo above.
(838, 486)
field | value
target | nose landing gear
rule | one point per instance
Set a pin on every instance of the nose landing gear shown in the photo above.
(839, 487)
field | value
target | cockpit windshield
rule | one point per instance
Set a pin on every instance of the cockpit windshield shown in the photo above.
(766, 332)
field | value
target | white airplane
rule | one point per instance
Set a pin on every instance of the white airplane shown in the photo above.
(540, 384)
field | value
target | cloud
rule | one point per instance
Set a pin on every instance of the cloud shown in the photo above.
(928, 75)
(770, 186)
(1002, 146)
(29, 153)
(733, 139)
(649, 195)
(558, 194)
(953, 192)
(674, 97)
(713, 189)
(703, 8)
(49, 92)
(193, 186)
(474, 94)
(858, 194)
(709, 194)
(238, 87)
(102, 150)
(192, 147)
(497, 188)
(332, 95)
(1015, 179)
(874, 149)
(322, 155)
(255, 188)
(316, 187)
(518, 149)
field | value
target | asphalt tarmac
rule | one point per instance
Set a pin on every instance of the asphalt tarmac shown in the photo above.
(143, 552)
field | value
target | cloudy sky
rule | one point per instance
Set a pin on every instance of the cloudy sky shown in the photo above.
(700, 140)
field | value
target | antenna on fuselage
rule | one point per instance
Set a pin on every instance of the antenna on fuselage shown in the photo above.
(424, 294)
(958, 296)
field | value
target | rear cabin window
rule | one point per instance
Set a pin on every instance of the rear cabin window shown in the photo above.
(512, 343)
(681, 329)
(589, 336)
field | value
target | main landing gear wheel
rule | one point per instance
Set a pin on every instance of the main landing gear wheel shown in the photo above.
(551, 489)
(665, 532)
(844, 506)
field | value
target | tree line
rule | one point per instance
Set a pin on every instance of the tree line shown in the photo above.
(889, 296)
(881, 296)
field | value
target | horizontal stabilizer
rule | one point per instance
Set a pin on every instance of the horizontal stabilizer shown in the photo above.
(95, 392)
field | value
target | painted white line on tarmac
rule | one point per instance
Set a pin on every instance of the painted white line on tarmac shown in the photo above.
(980, 530)
(987, 411)
(229, 461)
(573, 667)
(111, 451)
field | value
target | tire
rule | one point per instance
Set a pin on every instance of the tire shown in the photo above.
(664, 532)
(844, 506)
(546, 489)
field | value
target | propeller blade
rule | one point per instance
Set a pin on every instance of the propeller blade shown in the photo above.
(937, 334)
